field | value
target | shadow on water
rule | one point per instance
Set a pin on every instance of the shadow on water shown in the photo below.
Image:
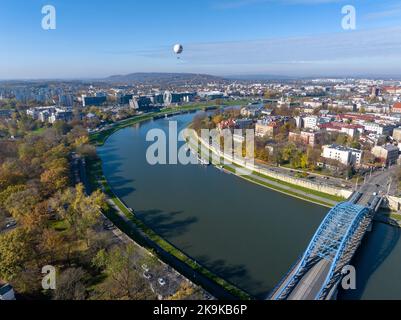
(166, 223)
(375, 248)
(120, 187)
(237, 274)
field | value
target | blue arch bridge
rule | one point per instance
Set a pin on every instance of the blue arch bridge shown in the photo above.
(320, 270)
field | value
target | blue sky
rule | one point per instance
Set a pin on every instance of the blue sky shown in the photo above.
(222, 37)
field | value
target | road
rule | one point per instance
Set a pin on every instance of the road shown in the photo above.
(381, 183)
(310, 284)
(312, 177)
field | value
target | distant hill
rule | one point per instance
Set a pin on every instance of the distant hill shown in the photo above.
(163, 78)
(259, 77)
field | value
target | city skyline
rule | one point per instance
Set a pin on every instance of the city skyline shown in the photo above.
(299, 38)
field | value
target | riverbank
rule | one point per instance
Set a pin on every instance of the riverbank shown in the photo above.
(257, 177)
(124, 218)
(100, 137)
(391, 218)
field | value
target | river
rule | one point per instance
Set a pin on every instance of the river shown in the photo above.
(245, 233)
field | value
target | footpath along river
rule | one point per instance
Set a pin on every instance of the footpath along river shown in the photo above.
(245, 233)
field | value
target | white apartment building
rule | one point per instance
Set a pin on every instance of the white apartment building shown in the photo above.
(38, 113)
(310, 122)
(344, 155)
(379, 128)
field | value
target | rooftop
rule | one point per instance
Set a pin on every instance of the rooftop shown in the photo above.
(341, 148)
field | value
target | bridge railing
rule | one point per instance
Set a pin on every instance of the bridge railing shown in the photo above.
(359, 217)
(292, 268)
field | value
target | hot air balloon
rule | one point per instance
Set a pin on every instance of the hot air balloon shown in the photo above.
(178, 49)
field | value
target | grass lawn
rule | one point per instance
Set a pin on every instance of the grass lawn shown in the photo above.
(395, 216)
(276, 188)
(60, 225)
(314, 192)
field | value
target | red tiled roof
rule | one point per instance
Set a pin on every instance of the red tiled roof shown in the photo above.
(364, 117)
(397, 105)
(339, 125)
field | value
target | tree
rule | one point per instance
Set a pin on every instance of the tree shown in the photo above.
(342, 139)
(14, 252)
(355, 144)
(288, 152)
(71, 285)
(11, 174)
(278, 157)
(76, 133)
(304, 161)
(55, 177)
(185, 292)
(57, 152)
(124, 280)
(79, 211)
(262, 154)
(313, 155)
(87, 151)
(23, 202)
(61, 127)
(36, 220)
(8, 192)
(51, 245)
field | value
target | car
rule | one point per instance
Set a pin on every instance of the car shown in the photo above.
(108, 225)
(11, 224)
(145, 268)
(162, 282)
(375, 194)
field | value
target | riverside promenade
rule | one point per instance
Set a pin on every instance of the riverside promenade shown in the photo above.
(317, 193)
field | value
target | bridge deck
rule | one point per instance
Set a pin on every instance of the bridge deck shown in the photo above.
(310, 285)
